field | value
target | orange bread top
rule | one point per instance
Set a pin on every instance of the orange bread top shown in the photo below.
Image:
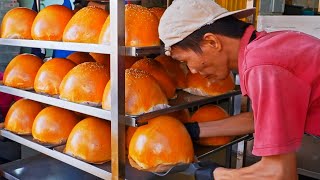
(141, 27)
(85, 25)
(162, 143)
(17, 23)
(21, 71)
(90, 140)
(50, 23)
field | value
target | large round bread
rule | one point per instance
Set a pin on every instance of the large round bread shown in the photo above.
(50, 75)
(211, 113)
(53, 125)
(105, 59)
(50, 23)
(90, 140)
(85, 83)
(159, 73)
(162, 143)
(182, 115)
(85, 25)
(199, 85)
(80, 57)
(129, 133)
(21, 115)
(142, 93)
(157, 11)
(177, 71)
(16, 23)
(21, 71)
(141, 27)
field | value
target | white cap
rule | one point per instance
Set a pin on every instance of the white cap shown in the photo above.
(183, 17)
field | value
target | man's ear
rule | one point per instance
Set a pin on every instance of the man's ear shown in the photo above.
(212, 40)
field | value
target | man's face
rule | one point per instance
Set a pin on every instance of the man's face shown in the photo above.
(211, 64)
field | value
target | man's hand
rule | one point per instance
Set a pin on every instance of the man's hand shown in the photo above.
(193, 130)
(206, 170)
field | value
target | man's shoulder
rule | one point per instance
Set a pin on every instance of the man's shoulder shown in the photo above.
(280, 48)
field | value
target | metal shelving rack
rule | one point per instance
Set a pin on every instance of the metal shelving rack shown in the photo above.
(118, 168)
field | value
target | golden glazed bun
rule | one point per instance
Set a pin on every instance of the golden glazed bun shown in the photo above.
(129, 133)
(85, 83)
(162, 143)
(101, 58)
(21, 115)
(90, 140)
(17, 22)
(21, 71)
(141, 27)
(80, 57)
(199, 85)
(157, 11)
(50, 23)
(177, 71)
(53, 125)
(50, 75)
(105, 59)
(142, 93)
(159, 73)
(85, 25)
(211, 113)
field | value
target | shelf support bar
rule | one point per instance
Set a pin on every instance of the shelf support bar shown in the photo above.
(117, 90)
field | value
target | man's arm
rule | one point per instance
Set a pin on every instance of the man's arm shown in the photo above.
(234, 125)
(270, 168)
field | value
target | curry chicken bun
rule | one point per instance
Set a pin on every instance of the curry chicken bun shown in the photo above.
(90, 140)
(201, 86)
(85, 83)
(142, 93)
(17, 23)
(211, 113)
(129, 133)
(159, 73)
(50, 22)
(105, 59)
(141, 27)
(50, 75)
(80, 57)
(157, 11)
(53, 125)
(21, 71)
(85, 25)
(21, 115)
(176, 70)
(162, 143)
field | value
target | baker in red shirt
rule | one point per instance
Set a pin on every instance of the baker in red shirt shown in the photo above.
(279, 72)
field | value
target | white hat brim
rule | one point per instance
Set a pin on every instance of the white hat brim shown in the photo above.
(239, 14)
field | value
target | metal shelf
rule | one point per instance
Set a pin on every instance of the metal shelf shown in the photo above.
(83, 47)
(57, 155)
(143, 51)
(42, 167)
(93, 111)
(203, 151)
(183, 100)
(21, 169)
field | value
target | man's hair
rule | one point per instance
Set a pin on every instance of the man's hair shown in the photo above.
(228, 26)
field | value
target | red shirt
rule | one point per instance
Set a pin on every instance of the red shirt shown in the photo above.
(6, 100)
(280, 72)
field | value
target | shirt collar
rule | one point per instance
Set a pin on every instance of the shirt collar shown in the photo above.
(243, 44)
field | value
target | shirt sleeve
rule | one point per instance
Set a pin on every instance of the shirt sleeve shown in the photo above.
(280, 105)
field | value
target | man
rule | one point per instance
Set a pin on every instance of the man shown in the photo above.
(279, 71)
